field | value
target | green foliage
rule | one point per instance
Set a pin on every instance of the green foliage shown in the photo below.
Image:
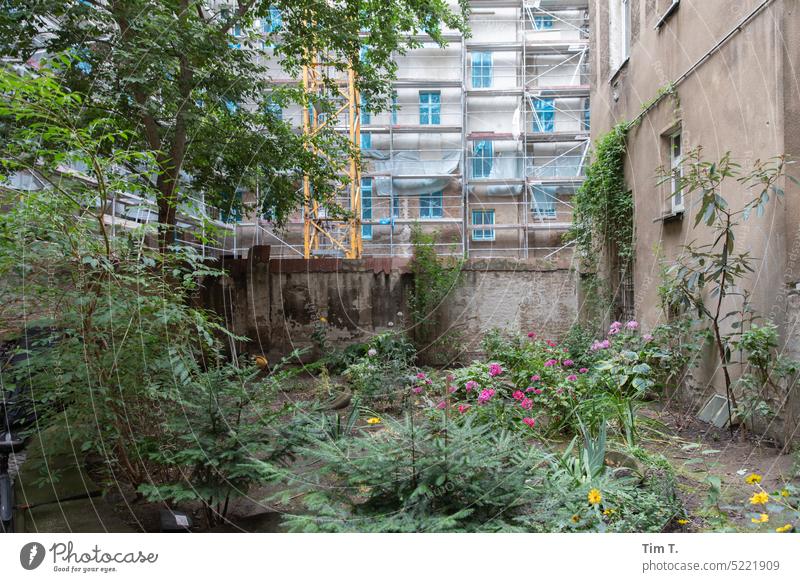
(222, 435)
(707, 278)
(435, 277)
(178, 83)
(603, 205)
(384, 368)
(417, 475)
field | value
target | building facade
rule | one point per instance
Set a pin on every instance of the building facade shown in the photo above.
(484, 142)
(723, 76)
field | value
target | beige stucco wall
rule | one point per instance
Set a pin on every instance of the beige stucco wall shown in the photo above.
(743, 99)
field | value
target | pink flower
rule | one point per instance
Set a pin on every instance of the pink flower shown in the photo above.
(647, 337)
(442, 405)
(531, 422)
(485, 396)
(603, 345)
(428, 381)
(616, 325)
(462, 408)
(537, 391)
(452, 389)
(531, 335)
(535, 378)
(470, 385)
(559, 390)
(567, 363)
(530, 389)
(572, 377)
(551, 343)
(526, 403)
(583, 370)
(417, 389)
(495, 370)
(421, 375)
(518, 395)
(613, 331)
(632, 324)
(550, 363)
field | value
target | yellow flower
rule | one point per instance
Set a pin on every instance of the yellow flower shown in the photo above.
(323, 319)
(594, 497)
(262, 362)
(784, 493)
(763, 518)
(576, 518)
(374, 420)
(609, 511)
(683, 521)
(784, 528)
(753, 478)
(759, 498)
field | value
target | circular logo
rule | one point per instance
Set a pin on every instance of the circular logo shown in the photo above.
(31, 555)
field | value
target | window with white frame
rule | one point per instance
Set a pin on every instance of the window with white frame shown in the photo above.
(619, 33)
(483, 218)
(481, 70)
(676, 170)
(430, 205)
(482, 159)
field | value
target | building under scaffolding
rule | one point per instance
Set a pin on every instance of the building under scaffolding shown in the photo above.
(485, 140)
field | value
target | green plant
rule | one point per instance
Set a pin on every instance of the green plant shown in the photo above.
(707, 278)
(384, 369)
(223, 436)
(435, 277)
(416, 475)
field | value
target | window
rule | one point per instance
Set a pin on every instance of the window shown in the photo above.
(366, 117)
(366, 141)
(675, 155)
(430, 108)
(430, 205)
(542, 21)
(481, 70)
(619, 33)
(395, 109)
(273, 22)
(366, 207)
(586, 115)
(544, 201)
(482, 158)
(274, 109)
(395, 205)
(483, 218)
(544, 115)
(233, 213)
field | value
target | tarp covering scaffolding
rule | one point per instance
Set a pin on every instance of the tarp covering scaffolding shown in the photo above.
(428, 176)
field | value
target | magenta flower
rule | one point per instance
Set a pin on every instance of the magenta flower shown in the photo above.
(462, 408)
(647, 337)
(535, 378)
(452, 389)
(417, 389)
(572, 377)
(495, 370)
(518, 395)
(616, 325)
(551, 343)
(526, 403)
(632, 325)
(485, 396)
(531, 335)
(583, 370)
(531, 422)
(537, 391)
(603, 345)
(450, 378)
(421, 375)
(567, 363)
(442, 405)
(470, 385)
(550, 363)
(613, 331)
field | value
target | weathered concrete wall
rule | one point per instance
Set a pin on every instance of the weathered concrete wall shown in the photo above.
(278, 303)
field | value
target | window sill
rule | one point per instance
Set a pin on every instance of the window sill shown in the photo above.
(672, 216)
(667, 13)
(618, 70)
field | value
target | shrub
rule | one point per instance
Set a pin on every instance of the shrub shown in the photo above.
(384, 369)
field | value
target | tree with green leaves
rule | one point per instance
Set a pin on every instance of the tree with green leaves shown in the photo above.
(191, 81)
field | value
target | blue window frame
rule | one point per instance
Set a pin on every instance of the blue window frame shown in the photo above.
(366, 207)
(483, 218)
(481, 70)
(430, 108)
(542, 21)
(272, 22)
(430, 205)
(395, 109)
(544, 115)
(482, 159)
(544, 201)
(366, 141)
